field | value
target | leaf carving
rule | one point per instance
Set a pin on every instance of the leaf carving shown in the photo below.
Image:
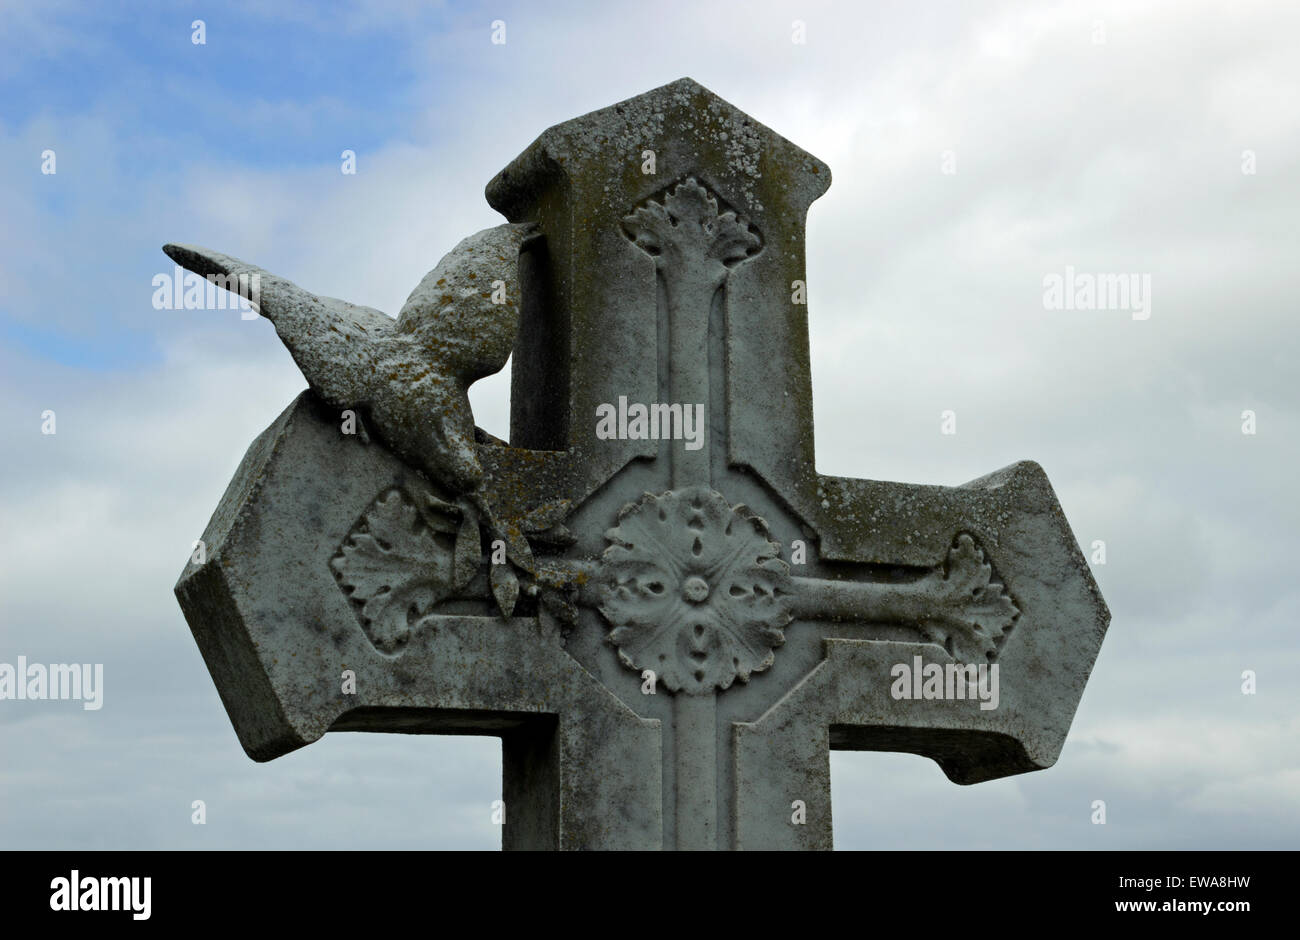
(505, 588)
(393, 568)
(545, 516)
(688, 222)
(969, 612)
(468, 551)
(694, 590)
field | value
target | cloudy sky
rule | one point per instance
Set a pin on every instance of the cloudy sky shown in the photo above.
(1106, 136)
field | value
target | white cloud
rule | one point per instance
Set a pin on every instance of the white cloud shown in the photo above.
(925, 293)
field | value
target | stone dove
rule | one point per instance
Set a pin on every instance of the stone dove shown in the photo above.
(407, 379)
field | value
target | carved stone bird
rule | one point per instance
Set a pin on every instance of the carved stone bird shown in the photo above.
(407, 379)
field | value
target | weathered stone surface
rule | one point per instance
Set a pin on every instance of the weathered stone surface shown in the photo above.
(407, 377)
(277, 633)
(698, 619)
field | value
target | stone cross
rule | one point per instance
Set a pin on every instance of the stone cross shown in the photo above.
(700, 616)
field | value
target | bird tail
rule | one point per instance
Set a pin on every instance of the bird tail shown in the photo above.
(320, 332)
(272, 296)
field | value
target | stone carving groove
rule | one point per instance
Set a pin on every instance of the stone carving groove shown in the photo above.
(695, 245)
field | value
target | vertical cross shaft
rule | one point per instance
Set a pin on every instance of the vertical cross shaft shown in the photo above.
(693, 244)
(695, 717)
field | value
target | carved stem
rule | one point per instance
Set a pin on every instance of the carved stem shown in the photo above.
(812, 598)
(689, 292)
(862, 601)
(695, 731)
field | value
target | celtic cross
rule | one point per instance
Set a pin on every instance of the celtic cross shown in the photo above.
(698, 623)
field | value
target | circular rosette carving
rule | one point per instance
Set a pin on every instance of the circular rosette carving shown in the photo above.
(694, 590)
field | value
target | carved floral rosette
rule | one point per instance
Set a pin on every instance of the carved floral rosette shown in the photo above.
(694, 590)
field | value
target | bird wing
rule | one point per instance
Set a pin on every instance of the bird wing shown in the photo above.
(466, 310)
(333, 341)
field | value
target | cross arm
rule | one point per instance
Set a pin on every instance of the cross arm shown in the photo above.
(282, 644)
